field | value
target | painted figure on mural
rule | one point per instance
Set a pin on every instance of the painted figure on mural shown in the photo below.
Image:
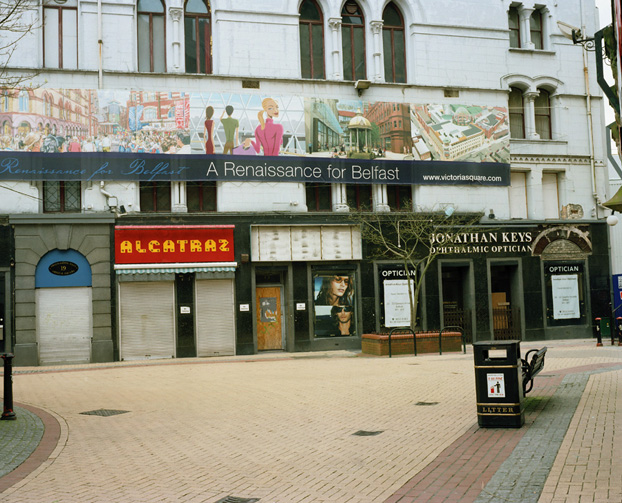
(232, 127)
(342, 320)
(336, 290)
(208, 131)
(268, 135)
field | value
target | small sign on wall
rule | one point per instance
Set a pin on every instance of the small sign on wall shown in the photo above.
(301, 306)
(245, 307)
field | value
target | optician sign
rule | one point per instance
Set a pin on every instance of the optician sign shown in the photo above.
(173, 244)
(482, 242)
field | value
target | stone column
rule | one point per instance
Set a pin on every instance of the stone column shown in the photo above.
(530, 116)
(524, 13)
(381, 200)
(177, 14)
(178, 197)
(335, 27)
(556, 104)
(340, 200)
(376, 29)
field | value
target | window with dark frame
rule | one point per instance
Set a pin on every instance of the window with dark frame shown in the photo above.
(62, 197)
(198, 36)
(517, 113)
(200, 196)
(151, 36)
(394, 44)
(399, 197)
(542, 108)
(155, 197)
(359, 197)
(535, 29)
(60, 35)
(353, 41)
(514, 25)
(311, 26)
(319, 196)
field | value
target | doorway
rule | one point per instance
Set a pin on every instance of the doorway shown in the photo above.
(457, 297)
(268, 312)
(505, 302)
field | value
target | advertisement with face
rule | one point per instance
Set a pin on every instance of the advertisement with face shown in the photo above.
(334, 304)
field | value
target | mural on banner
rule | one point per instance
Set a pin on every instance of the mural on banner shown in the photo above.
(334, 295)
(320, 140)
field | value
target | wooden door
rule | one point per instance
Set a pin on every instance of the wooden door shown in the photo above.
(268, 313)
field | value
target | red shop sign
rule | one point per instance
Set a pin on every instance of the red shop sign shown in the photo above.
(166, 244)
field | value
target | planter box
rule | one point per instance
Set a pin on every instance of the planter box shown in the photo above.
(402, 344)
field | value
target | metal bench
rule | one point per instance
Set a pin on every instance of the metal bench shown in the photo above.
(532, 367)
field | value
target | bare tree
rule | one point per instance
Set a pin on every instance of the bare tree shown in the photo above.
(18, 18)
(415, 240)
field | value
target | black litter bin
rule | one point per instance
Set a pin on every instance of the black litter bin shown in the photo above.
(499, 384)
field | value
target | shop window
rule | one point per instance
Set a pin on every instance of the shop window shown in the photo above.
(550, 193)
(542, 106)
(200, 196)
(394, 44)
(565, 293)
(319, 196)
(198, 36)
(514, 25)
(151, 36)
(517, 113)
(311, 26)
(60, 34)
(155, 197)
(353, 41)
(61, 197)
(359, 197)
(399, 197)
(334, 303)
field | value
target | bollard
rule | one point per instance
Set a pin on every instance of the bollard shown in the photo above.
(619, 329)
(8, 412)
(599, 341)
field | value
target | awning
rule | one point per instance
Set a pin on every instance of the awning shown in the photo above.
(175, 268)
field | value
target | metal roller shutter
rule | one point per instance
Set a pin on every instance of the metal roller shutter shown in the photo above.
(215, 317)
(147, 313)
(64, 325)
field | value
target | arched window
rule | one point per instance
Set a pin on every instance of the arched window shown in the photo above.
(353, 41)
(394, 44)
(151, 36)
(198, 37)
(517, 113)
(24, 101)
(311, 40)
(542, 106)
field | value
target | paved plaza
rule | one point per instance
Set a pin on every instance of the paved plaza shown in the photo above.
(312, 427)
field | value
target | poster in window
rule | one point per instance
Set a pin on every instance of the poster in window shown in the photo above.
(396, 302)
(565, 296)
(333, 295)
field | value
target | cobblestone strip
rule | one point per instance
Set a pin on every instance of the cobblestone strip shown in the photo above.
(522, 476)
(19, 438)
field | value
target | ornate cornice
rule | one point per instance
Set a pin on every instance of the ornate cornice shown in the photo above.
(551, 159)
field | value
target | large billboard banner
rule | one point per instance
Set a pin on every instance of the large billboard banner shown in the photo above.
(49, 134)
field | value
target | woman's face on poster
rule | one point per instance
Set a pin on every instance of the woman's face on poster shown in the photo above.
(339, 285)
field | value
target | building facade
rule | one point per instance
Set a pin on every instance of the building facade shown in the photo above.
(180, 180)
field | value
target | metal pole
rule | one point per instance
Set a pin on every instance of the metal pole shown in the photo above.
(8, 387)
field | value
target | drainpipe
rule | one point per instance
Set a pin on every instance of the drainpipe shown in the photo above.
(100, 43)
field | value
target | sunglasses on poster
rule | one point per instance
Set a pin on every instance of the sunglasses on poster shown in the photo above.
(347, 309)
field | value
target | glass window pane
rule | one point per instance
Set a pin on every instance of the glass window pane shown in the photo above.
(72, 196)
(196, 7)
(305, 54)
(309, 11)
(359, 53)
(324, 196)
(163, 196)
(158, 44)
(543, 127)
(514, 39)
(513, 19)
(347, 53)
(190, 44)
(50, 42)
(517, 126)
(318, 52)
(400, 55)
(391, 16)
(144, 50)
(51, 196)
(150, 6)
(203, 44)
(146, 197)
(387, 45)
(70, 39)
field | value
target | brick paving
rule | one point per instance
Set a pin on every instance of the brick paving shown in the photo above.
(280, 428)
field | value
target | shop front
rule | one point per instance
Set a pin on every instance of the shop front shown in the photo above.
(176, 291)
